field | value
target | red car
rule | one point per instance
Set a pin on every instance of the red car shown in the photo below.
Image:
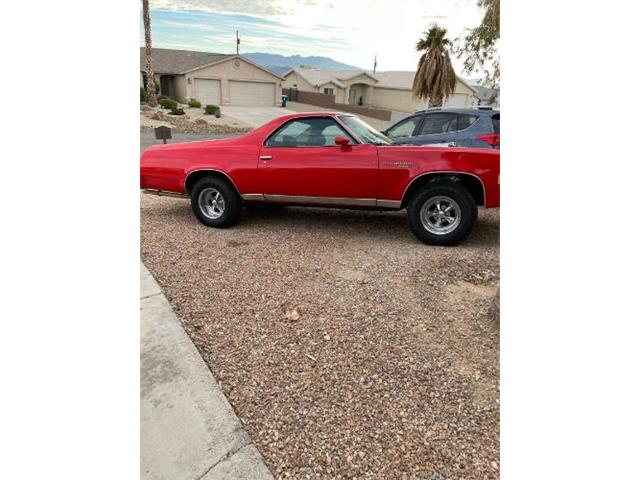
(329, 159)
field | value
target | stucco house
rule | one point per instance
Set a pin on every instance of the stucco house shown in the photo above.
(349, 86)
(211, 78)
(389, 90)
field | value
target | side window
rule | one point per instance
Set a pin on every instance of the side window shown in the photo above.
(404, 128)
(496, 123)
(328, 91)
(307, 132)
(438, 123)
(465, 121)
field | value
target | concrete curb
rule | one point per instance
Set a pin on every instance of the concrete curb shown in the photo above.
(188, 430)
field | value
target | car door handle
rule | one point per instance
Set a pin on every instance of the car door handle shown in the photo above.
(265, 157)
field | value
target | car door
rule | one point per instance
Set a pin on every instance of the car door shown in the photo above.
(300, 162)
(402, 131)
(436, 127)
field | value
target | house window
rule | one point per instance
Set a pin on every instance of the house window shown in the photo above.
(328, 91)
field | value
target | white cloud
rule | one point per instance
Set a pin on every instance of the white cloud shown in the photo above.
(387, 28)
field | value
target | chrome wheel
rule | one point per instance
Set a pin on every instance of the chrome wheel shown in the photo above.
(211, 203)
(440, 215)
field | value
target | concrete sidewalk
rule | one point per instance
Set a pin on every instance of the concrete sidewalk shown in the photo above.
(188, 430)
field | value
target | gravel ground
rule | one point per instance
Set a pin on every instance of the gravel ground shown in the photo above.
(347, 348)
(194, 121)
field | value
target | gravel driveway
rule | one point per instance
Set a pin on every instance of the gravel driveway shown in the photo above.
(392, 369)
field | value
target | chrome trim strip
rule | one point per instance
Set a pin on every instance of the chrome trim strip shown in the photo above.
(253, 197)
(362, 202)
(388, 203)
(208, 170)
(484, 192)
(265, 157)
(164, 193)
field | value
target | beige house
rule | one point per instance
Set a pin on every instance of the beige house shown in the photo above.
(212, 78)
(349, 86)
(389, 90)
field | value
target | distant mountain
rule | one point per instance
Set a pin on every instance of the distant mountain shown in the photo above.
(280, 64)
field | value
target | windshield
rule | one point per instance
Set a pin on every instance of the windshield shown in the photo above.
(364, 131)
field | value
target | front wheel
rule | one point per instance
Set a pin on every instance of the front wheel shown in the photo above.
(215, 203)
(442, 213)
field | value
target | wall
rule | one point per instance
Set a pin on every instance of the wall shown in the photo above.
(226, 71)
(379, 113)
(404, 101)
(294, 79)
(312, 98)
(328, 101)
(180, 85)
(396, 99)
(338, 92)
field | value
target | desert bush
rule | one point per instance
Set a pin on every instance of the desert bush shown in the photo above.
(168, 104)
(143, 95)
(212, 110)
(193, 103)
(177, 111)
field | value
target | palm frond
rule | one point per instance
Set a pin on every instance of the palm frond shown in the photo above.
(435, 77)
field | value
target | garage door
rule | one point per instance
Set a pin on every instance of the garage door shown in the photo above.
(456, 100)
(252, 93)
(207, 91)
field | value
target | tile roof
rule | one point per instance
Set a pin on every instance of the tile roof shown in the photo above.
(395, 79)
(179, 61)
(317, 77)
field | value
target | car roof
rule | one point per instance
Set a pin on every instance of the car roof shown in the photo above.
(476, 109)
(315, 114)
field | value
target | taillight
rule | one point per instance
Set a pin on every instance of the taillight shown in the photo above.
(492, 139)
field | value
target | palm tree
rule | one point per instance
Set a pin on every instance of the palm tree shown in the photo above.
(151, 76)
(435, 79)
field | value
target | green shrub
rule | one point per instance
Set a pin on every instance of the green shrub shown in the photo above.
(177, 111)
(212, 110)
(168, 104)
(143, 95)
(193, 103)
(162, 97)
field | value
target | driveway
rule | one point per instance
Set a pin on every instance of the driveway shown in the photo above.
(255, 116)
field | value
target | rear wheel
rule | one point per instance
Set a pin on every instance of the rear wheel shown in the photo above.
(442, 213)
(215, 203)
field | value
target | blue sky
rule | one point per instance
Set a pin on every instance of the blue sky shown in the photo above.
(349, 31)
(215, 32)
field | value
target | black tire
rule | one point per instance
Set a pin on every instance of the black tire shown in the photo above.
(232, 202)
(460, 227)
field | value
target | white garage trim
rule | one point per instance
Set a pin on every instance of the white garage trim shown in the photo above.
(246, 93)
(207, 91)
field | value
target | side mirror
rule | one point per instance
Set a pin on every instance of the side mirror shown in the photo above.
(340, 140)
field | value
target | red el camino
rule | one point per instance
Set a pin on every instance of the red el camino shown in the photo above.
(328, 159)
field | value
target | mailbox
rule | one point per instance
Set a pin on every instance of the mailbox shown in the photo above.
(163, 133)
